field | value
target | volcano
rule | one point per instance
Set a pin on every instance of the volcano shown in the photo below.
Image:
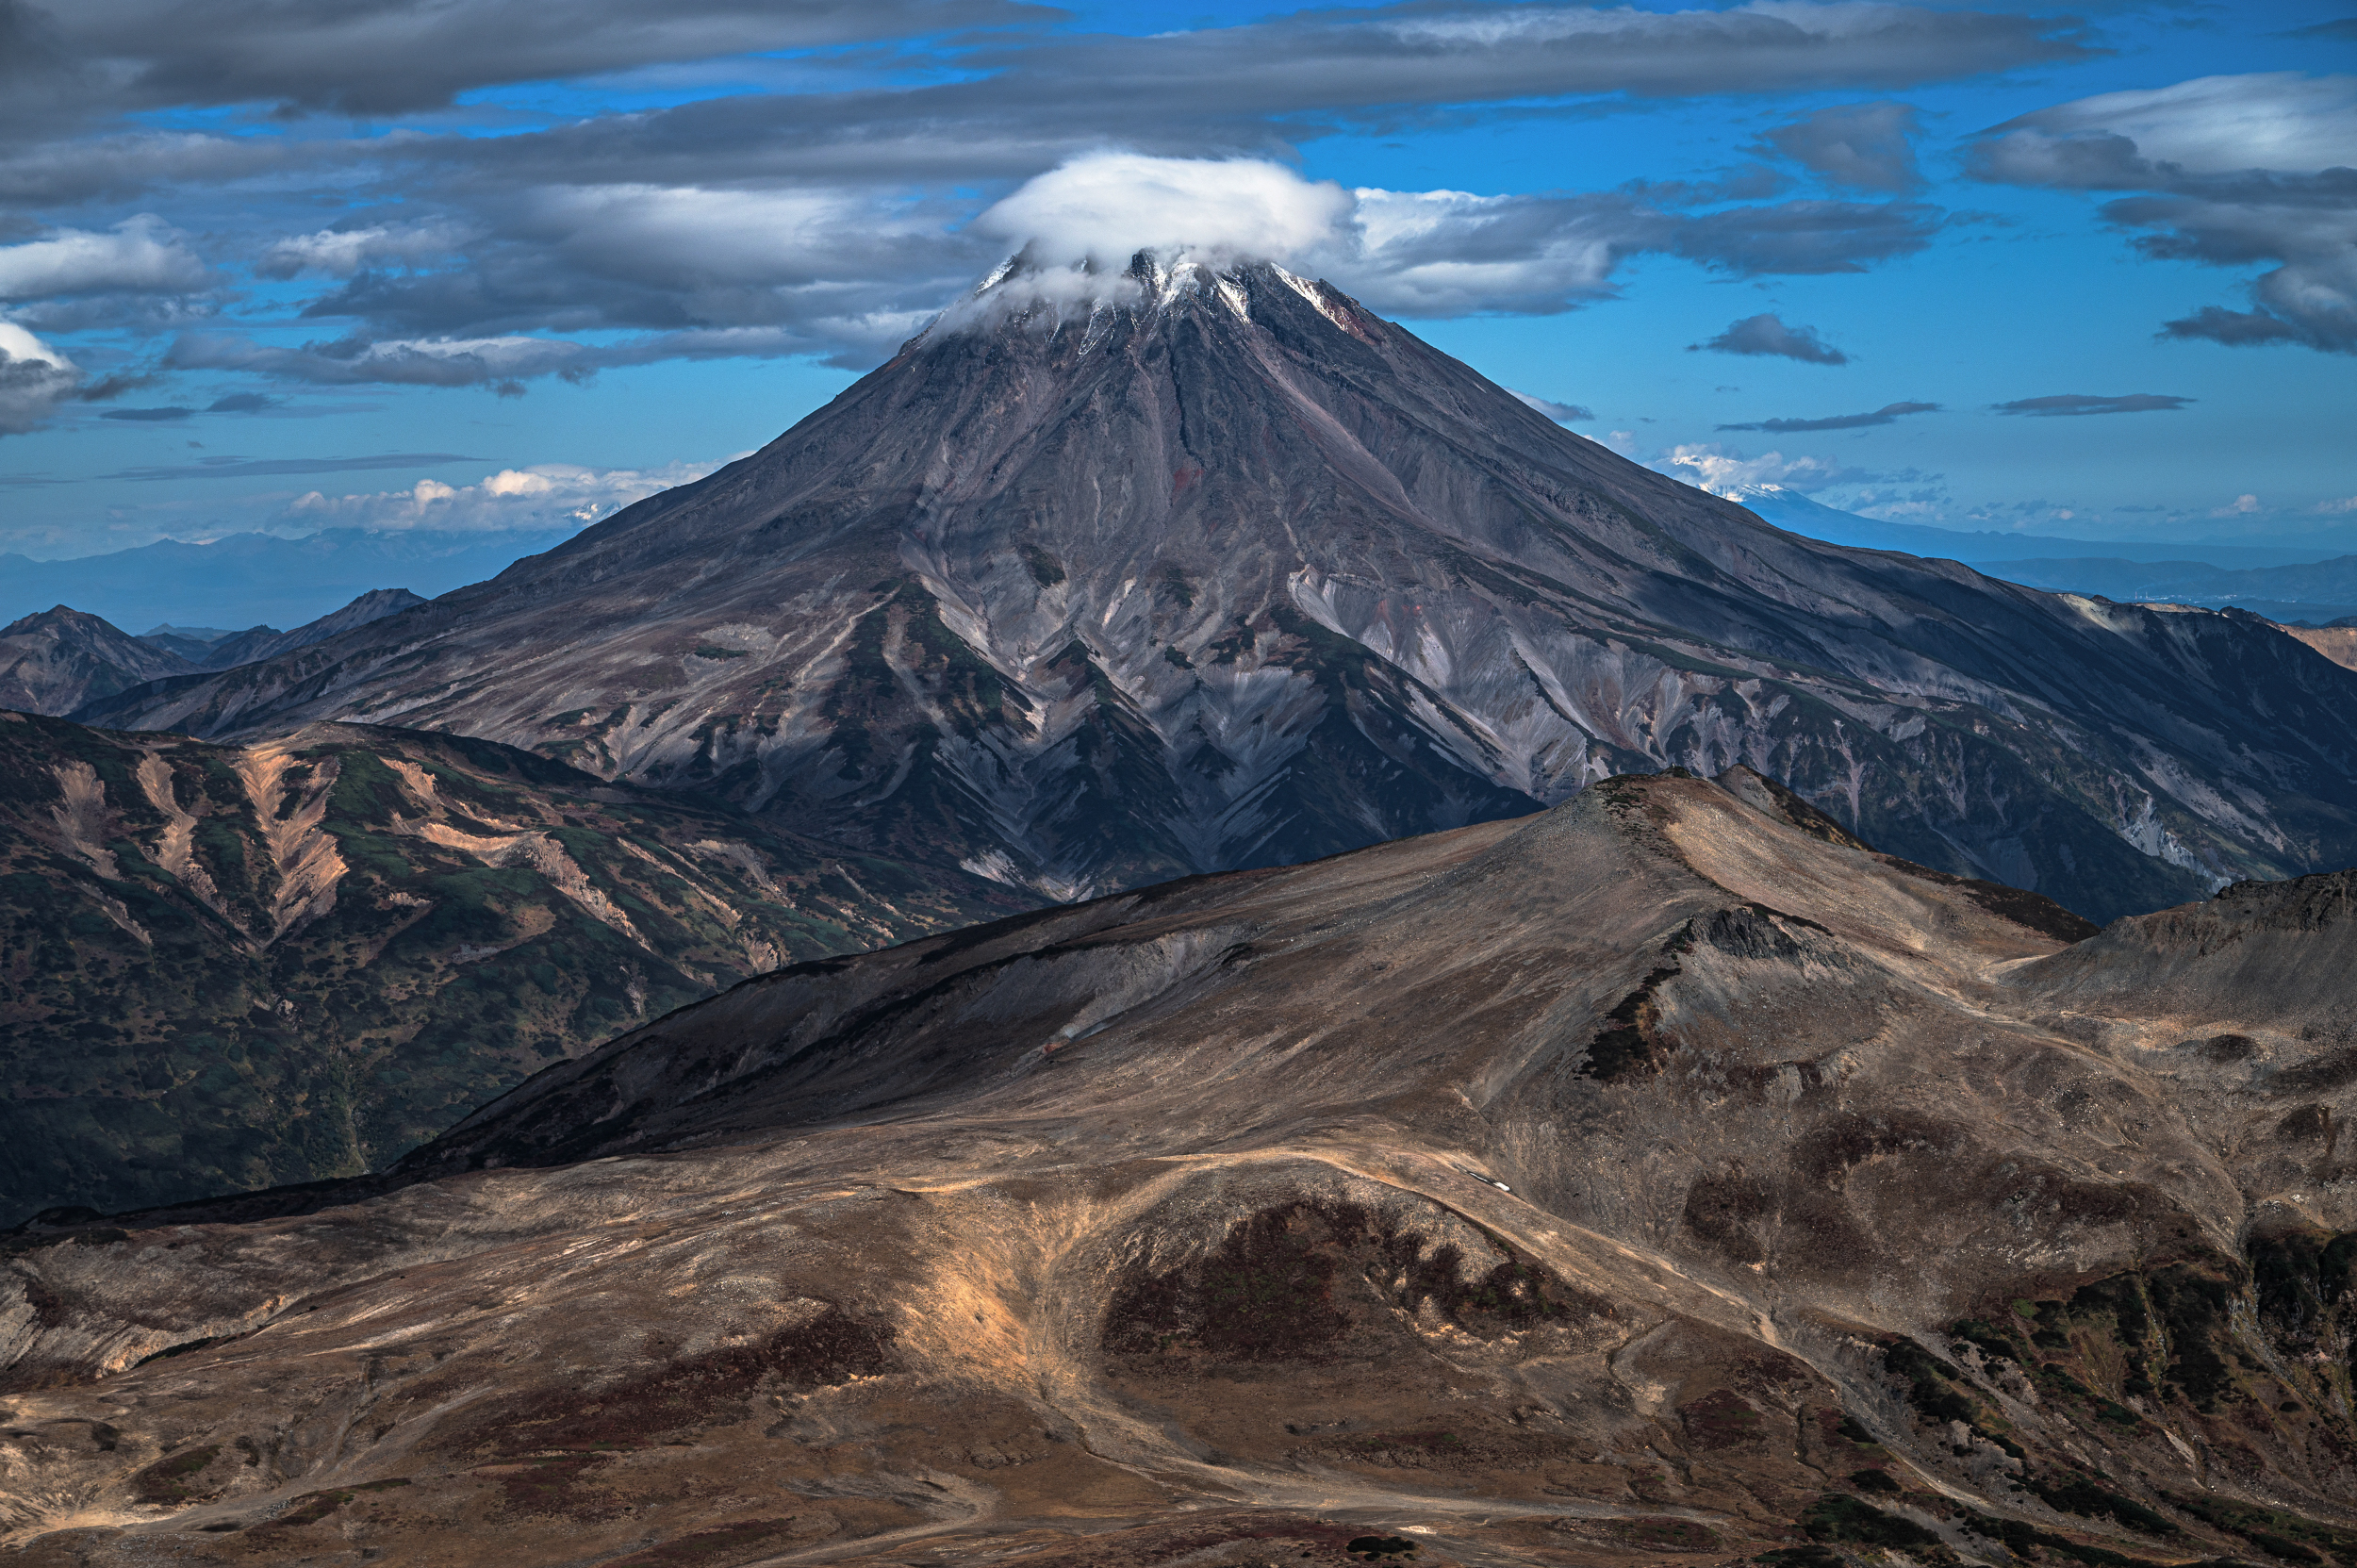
(1111, 578)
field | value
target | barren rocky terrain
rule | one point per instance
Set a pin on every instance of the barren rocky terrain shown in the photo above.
(1220, 570)
(1667, 1178)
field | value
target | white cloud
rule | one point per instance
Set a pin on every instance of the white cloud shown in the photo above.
(342, 252)
(1561, 413)
(1105, 207)
(2209, 125)
(540, 495)
(1413, 253)
(34, 379)
(2241, 506)
(2230, 171)
(1732, 475)
(141, 255)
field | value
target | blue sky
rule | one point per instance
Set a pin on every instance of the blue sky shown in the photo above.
(487, 266)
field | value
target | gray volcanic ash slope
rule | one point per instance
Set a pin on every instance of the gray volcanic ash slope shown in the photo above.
(1665, 1177)
(1220, 570)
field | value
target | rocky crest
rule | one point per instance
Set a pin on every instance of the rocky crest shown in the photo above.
(1665, 1177)
(57, 660)
(1201, 570)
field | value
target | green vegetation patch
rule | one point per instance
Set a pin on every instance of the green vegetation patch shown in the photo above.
(172, 1480)
(2287, 1536)
(725, 1543)
(1834, 1517)
(2077, 1494)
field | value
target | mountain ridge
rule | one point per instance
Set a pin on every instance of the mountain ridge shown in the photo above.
(236, 966)
(1658, 1178)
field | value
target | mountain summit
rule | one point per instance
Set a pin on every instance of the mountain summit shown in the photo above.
(1105, 579)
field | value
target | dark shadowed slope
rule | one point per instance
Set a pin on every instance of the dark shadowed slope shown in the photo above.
(1661, 1179)
(62, 659)
(1230, 572)
(263, 642)
(228, 967)
(57, 660)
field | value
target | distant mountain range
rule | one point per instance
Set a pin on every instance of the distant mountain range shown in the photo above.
(1792, 511)
(2283, 583)
(251, 579)
(2320, 593)
(55, 661)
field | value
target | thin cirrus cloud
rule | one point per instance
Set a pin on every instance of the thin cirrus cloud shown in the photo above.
(1561, 413)
(2256, 170)
(236, 402)
(1768, 334)
(2071, 403)
(249, 468)
(1889, 413)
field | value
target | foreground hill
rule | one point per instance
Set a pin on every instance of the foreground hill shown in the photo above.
(1217, 571)
(1666, 1177)
(230, 967)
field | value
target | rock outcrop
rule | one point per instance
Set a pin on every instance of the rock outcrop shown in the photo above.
(55, 661)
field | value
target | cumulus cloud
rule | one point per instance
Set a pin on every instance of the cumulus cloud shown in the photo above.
(1561, 413)
(1768, 334)
(2083, 403)
(2229, 172)
(1103, 208)
(1720, 471)
(1864, 146)
(34, 379)
(1889, 413)
(511, 498)
(340, 253)
(141, 255)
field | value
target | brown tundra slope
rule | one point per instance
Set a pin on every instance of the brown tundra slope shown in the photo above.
(1666, 1177)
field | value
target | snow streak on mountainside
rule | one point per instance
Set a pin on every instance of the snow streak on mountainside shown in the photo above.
(1185, 570)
